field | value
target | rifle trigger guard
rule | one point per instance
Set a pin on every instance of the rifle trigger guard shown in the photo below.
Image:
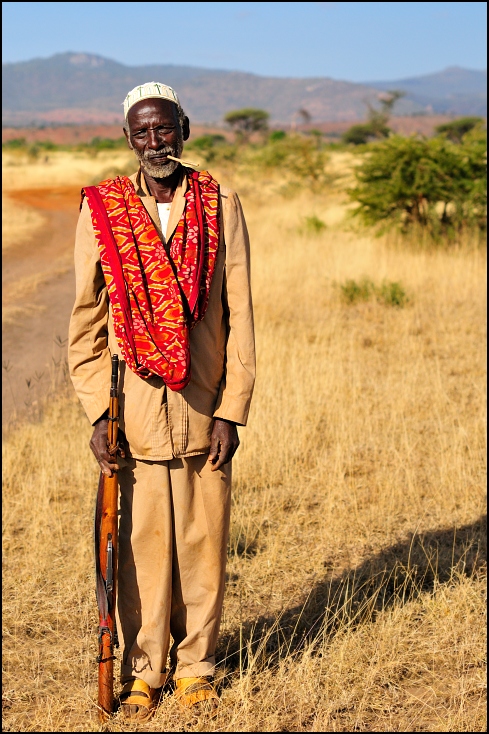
(102, 632)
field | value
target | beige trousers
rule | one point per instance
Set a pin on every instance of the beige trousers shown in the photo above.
(173, 532)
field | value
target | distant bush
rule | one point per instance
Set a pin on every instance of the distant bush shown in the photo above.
(315, 134)
(314, 225)
(210, 147)
(14, 144)
(456, 129)
(206, 142)
(277, 135)
(376, 126)
(351, 291)
(33, 150)
(433, 184)
(389, 293)
(99, 143)
(247, 120)
(364, 132)
(296, 155)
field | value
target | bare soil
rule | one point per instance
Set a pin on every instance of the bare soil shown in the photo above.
(38, 293)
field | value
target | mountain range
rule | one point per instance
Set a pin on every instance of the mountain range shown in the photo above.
(82, 88)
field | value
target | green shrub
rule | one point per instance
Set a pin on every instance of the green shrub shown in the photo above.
(48, 145)
(364, 132)
(378, 117)
(15, 144)
(33, 151)
(456, 129)
(389, 293)
(297, 155)
(314, 225)
(99, 143)
(210, 147)
(277, 135)
(206, 142)
(247, 120)
(352, 291)
(433, 184)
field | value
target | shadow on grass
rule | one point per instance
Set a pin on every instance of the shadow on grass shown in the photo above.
(396, 575)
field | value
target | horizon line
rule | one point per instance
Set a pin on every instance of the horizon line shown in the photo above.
(236, 71)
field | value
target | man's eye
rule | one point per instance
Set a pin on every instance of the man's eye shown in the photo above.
(141, 134)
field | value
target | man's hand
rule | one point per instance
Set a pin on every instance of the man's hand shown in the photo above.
(98, 444)
(224, 442)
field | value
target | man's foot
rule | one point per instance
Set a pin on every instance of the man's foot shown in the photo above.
(197, 694)
(137, 700)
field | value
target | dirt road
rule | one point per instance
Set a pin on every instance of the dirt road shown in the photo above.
(38, 293)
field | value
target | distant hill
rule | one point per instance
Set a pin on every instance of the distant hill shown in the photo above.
(454, 91)
(85, 88)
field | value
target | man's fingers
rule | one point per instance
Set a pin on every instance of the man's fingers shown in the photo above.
(105, 460)
(214, 452)
(106, 468)
(224, 442)
(225, 455)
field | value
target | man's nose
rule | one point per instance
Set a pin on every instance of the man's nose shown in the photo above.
(155, 140)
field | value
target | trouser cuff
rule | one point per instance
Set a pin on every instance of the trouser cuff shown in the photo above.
(196, 670)
(153, 679)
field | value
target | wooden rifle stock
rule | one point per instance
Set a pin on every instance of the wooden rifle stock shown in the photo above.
(106, 527)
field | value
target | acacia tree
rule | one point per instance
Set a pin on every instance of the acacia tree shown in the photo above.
(433, 184)
(247, 121)
(456, 129)
(376, 128)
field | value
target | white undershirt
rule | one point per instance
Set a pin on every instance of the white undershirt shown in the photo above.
(164, 214)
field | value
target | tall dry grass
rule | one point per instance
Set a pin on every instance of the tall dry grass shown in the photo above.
(355, 594)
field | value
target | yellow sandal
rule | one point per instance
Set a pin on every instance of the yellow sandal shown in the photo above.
(198, 693)
(137, 693)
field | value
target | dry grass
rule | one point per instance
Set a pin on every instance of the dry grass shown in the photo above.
(19, 223)
(17, 295)
(60, 168)
(355, 595)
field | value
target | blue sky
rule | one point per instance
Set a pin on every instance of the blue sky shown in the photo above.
(354, 41)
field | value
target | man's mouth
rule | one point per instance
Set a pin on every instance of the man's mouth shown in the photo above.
(160, 157)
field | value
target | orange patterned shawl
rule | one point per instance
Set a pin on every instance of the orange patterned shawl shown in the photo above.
(156, 299)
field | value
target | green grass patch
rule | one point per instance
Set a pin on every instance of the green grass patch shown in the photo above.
(314, 225)
(388, 293)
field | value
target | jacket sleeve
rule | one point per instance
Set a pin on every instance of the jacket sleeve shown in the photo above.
(234, 398)
(88, 352)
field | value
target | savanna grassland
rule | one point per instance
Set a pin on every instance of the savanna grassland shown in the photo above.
(355, 598)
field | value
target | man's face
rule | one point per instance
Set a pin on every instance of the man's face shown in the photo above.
(154, 133)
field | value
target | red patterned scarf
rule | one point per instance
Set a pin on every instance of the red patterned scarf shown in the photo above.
(156, 299)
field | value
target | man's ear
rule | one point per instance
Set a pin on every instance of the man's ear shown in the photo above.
(185, 128)
(126, 133)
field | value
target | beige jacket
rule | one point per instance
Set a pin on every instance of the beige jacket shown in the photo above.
(160, 424)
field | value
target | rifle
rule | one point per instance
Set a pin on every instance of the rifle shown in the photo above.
(106, 559)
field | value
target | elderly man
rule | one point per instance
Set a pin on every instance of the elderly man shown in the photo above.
(163, 281)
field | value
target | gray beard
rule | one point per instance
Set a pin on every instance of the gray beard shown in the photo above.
(160, 171)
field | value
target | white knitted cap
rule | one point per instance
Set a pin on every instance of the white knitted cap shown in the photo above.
(145, 91)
